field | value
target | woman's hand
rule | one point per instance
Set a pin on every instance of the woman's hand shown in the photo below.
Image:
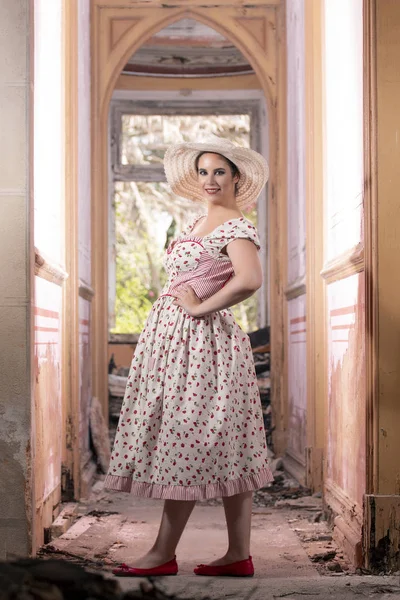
(186, 298)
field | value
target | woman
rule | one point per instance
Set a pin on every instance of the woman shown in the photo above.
(191, 426)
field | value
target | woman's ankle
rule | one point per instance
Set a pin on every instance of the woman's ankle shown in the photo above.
(233, 556)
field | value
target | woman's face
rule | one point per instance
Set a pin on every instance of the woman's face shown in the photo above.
(215, 178)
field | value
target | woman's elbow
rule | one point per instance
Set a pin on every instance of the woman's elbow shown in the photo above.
(252, 282)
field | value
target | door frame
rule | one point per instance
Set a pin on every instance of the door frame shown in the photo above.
(258, 31)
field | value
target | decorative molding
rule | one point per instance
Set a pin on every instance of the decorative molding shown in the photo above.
(346, 264)
(295, 466)
(256, 27)
(119, 26)
(296, 288)
(85, 291)
(342, 505)
(48, 270)
(347, 519)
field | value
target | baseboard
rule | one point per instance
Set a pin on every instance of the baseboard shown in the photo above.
(347, 518)
(295, 467)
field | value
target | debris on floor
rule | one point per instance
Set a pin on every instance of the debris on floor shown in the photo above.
(260, 345)
(36, 579)
(99, 434)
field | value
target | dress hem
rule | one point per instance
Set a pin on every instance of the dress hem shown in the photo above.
(195, 492)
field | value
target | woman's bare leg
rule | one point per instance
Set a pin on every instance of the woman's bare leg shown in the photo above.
(175, 515)
(238, 520)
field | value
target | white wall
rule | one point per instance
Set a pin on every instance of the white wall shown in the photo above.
(48, 130)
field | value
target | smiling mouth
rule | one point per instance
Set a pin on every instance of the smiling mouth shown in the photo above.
(212, 190)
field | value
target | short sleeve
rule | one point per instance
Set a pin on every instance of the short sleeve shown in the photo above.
(191, 222)
(230, 231)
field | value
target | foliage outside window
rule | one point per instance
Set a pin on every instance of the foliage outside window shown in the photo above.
(148, 215)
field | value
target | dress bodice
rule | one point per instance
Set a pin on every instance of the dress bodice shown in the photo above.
(200, 261)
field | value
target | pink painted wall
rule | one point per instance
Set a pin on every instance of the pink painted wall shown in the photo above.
(297, 389)
(48, 408)
(49, 238)
(343, 67)
(48, 199)
(345, 460)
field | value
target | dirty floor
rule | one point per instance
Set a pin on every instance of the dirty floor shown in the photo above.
(292, 548)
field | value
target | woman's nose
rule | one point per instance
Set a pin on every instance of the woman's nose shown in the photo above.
(210, 178)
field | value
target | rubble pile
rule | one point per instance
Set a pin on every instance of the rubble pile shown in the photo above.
(260, 345)
(35, 579)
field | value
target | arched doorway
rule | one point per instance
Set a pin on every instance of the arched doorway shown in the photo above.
(258, 33)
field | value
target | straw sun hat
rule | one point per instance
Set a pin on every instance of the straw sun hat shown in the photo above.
(180, 169)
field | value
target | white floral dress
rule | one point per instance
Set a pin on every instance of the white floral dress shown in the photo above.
(191, 425)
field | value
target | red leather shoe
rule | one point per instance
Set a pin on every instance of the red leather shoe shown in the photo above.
(242, 568)
(168, 568)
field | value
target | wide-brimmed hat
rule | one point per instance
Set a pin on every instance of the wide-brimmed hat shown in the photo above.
(180, 169)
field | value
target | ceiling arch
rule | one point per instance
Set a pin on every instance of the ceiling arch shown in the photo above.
(187, 48)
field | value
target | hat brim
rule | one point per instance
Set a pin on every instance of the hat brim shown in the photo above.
(181, 174)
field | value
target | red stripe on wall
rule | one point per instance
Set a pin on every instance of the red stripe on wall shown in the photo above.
(84, 321)
(344, 326)
(297, 320)
(298, 331)
(345, 310)
(45, 312)
(47, 329)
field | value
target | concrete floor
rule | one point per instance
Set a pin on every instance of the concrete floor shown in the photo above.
(115, 527)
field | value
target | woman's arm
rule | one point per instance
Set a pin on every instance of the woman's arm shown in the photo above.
(246, 280)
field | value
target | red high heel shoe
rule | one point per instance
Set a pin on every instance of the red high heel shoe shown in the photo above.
(242, 568)
(168, 568)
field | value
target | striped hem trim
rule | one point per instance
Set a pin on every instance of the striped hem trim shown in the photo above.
(195, 492)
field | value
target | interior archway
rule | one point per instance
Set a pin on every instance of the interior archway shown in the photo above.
(109, 59)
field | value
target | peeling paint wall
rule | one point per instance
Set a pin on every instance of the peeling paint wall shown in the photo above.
(296, 342)
(345, 476)
(345, 457)
(15, 290)
(48, 408)
(49, 240)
